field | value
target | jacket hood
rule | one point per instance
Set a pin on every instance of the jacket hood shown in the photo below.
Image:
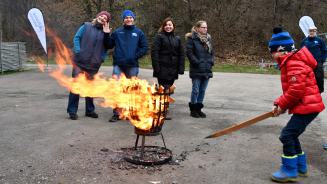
(194, 35)
(188, 35)
(303, 55)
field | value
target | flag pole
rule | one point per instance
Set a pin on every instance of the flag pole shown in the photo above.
(47, 67)
(47, 53)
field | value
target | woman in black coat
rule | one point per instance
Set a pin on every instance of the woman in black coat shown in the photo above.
(167, 55)
(199, 51)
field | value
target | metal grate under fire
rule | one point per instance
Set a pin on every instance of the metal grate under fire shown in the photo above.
(151, 155)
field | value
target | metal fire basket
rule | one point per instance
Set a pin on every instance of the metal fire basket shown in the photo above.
(151, 155)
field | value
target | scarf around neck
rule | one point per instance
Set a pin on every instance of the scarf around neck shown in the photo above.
(205, 40)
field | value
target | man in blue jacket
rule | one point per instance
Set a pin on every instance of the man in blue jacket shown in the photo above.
(318, 49)
(130, 44)
(90, 47)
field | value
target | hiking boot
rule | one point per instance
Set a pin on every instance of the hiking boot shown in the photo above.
(168, 118)
(91, 114)
(199, 107)
(73, 116)
(194, 113)
(114, 118)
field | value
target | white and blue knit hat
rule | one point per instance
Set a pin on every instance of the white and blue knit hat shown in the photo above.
(281, 41)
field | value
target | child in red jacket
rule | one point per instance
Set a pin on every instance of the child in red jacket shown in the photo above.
(300, 97)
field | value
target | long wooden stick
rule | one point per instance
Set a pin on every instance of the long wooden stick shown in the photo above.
(241, 125)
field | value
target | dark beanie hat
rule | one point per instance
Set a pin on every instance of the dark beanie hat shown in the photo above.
(281, 41)
(127, 13)
(106, 14)
(277, 30)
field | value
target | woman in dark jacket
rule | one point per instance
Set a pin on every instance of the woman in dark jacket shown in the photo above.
(167, 55)
(199, 51)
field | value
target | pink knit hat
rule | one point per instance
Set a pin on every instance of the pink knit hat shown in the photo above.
(106, 14)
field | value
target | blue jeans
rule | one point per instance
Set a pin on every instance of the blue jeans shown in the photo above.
(129, 72)
(73, 98)
(291, 132)
(199, 86)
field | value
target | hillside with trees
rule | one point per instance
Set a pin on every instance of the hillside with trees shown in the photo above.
(240, 28)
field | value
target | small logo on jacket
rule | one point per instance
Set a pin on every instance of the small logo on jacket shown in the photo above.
(293, 79)
(134, 34)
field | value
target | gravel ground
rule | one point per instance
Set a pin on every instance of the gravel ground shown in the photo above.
(39, 144)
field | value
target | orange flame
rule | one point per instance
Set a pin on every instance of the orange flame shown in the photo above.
(137, 100)
(40, 64)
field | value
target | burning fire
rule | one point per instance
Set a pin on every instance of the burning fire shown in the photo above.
(137, 100)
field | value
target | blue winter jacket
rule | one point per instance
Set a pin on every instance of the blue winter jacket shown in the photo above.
(317, 48)
(130, 44)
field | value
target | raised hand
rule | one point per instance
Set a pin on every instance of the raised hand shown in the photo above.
(106, 28)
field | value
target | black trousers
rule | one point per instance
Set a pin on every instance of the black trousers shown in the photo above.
(166, 83)
(291, 132)
(319, 74)
(73, 98)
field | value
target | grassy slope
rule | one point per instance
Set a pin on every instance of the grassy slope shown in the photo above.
(218, 67)
(145, 62)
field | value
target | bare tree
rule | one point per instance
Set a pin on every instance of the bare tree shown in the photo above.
(238, 27)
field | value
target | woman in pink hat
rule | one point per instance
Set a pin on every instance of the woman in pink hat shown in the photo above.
(90, 47)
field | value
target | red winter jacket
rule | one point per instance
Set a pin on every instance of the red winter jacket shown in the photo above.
(300, 91)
